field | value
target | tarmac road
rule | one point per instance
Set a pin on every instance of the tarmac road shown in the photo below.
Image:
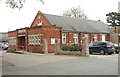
(0, 63)
(32, 64)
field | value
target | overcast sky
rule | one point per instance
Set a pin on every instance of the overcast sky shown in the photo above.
(14, 19)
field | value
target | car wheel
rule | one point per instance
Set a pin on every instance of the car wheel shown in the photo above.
(109, 53)
(90, 52)
(117, 52)
(102, 51)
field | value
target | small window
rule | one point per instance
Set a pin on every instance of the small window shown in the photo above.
(12, 41)
(64, 35)
(52, 40)
(95, 37)
(63, 38)
(86, 35)
(75, 38)
(32, 38)
(38, 39)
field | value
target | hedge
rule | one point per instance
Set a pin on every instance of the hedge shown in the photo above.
(71, 48)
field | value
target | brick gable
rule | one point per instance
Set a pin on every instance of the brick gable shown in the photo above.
(40, 18)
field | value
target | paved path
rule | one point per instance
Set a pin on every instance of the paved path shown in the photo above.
(22, 64)
(0, 63)
(0, 53)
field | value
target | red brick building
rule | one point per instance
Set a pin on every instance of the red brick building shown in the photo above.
(46, 29)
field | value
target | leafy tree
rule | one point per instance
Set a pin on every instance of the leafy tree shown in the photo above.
(75, 12)
(118, 18)
(17, 3)
(113, 19)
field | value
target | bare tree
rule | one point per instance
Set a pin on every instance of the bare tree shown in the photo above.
(17, 3)
(75, 12)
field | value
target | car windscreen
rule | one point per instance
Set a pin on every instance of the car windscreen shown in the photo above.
(110, 44)
(96, 43)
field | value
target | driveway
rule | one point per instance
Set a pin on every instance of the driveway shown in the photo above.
(0, 63)
(32, 64)
(0, 53)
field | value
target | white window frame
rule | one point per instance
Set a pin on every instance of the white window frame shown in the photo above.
(34, 39)
(52, 40)
(103, 37)
(30, 40)
(63, 38)
(75, 38)
(12, 41)
(95, 37)
(86, 35)
(39, 39)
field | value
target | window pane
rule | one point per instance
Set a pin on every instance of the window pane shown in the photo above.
(63, 38)
(63, 35)
(32, 39)
(35, 39)
(38, 39)
(75, 38)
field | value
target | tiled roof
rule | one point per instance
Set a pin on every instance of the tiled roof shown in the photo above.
(77, 25)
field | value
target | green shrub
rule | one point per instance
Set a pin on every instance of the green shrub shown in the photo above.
(71, 48)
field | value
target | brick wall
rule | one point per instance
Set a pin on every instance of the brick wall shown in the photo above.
(107, 37)
(69, 37)
(12, 34)
(48, 33)
(99, 37)
(115, 29)
(47, 30)
(45, 33)
(35, 48)
(114, 38)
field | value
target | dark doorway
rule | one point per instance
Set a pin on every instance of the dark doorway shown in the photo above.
(21, 43)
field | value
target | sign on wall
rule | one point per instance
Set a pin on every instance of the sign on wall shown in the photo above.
(21, 32)
(53, 41)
